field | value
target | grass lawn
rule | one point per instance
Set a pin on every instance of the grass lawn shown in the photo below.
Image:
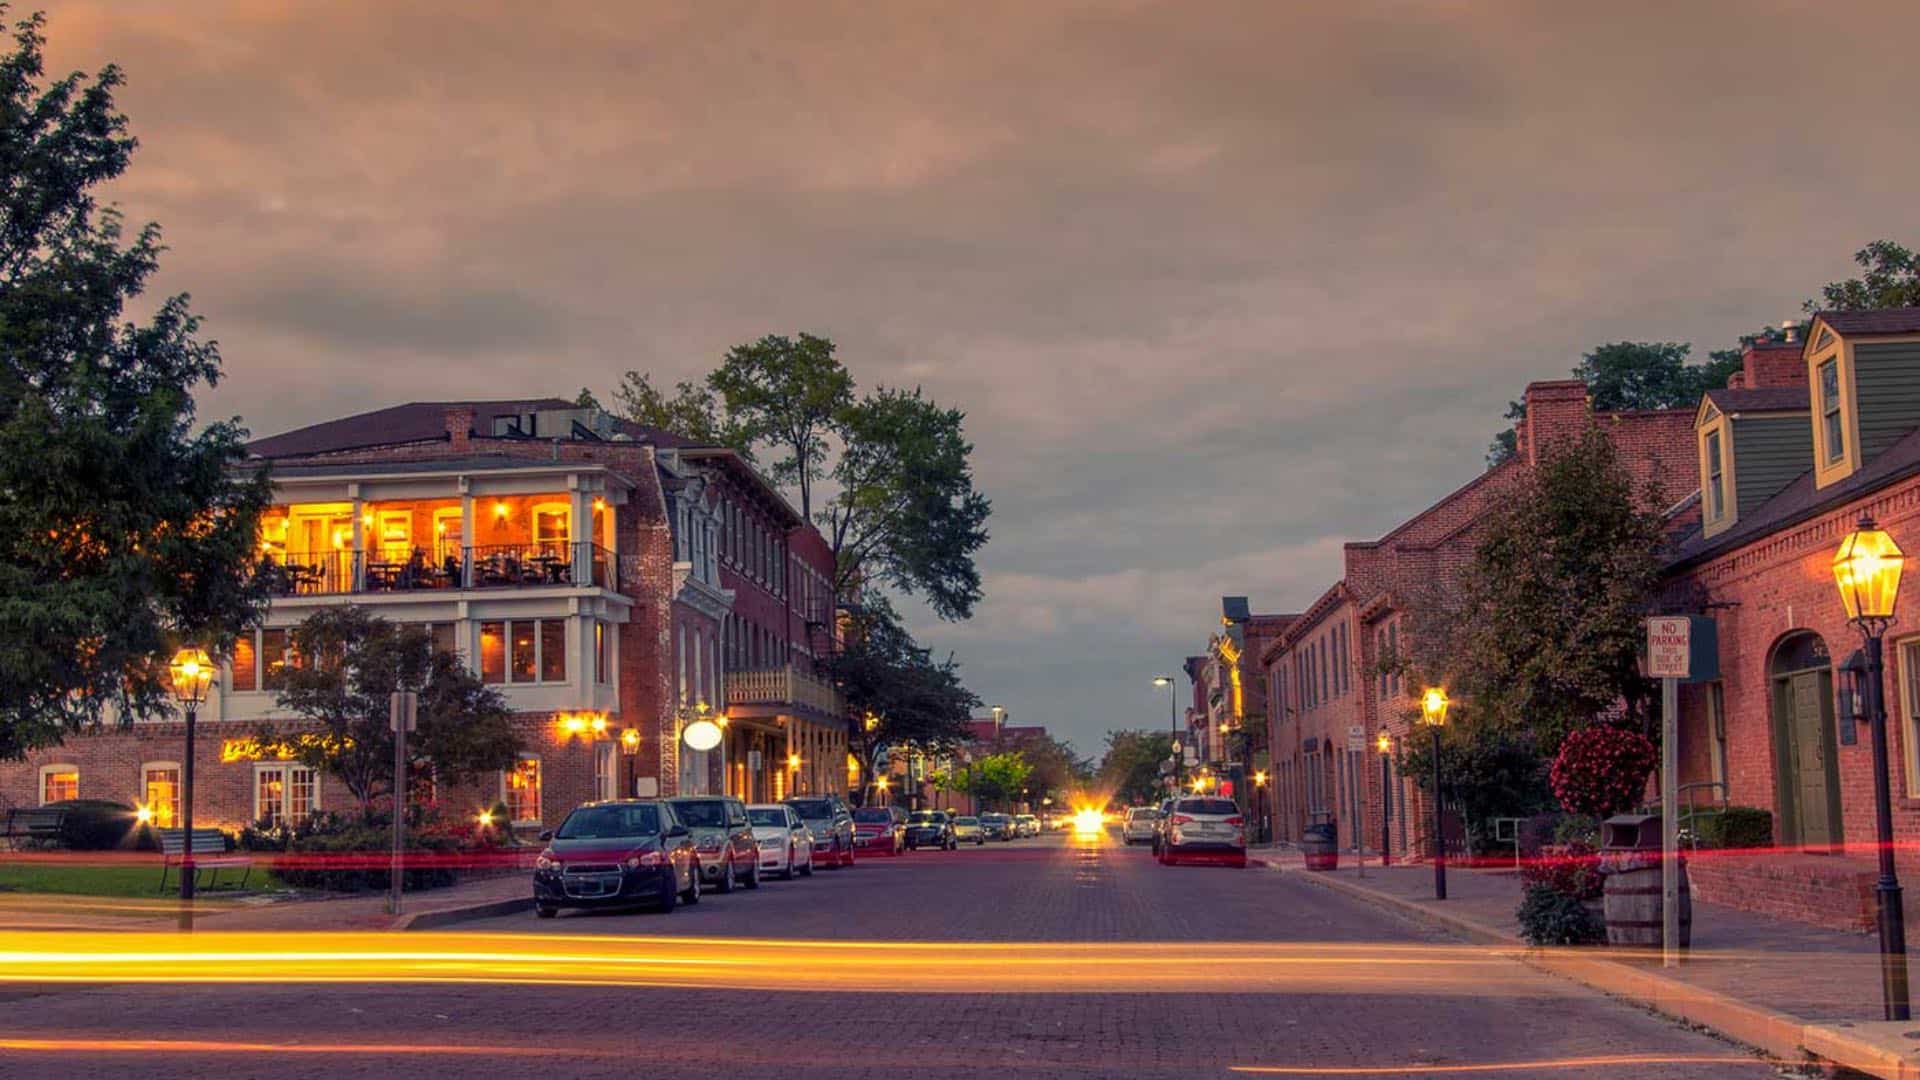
(83, 880)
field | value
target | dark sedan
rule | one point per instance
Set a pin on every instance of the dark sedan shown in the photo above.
(622, 853)
(931, 828)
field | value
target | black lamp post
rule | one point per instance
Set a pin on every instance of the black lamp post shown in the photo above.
(1433, 712)
(1173, 724)
(1384, 743)
(1867, 569)
(192, 676)
(629, 750)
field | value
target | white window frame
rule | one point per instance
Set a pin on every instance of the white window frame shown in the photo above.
(149, 767)
(540, 794)
(47, 770)
(566, 517)
(260, 768)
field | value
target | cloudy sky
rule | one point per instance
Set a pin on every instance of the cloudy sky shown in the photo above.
(1218, 285)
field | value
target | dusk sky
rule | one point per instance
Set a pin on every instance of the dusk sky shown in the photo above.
(1218, 286)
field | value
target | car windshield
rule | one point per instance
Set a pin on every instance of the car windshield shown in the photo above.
(1143, 813)
(813, 809)
(1207, 806)
(966, 821)
(702, 813)
(926, 817)
(768, 819)
(603, 822)
(873, 815)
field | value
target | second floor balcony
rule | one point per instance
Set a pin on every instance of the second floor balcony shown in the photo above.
(784, 690)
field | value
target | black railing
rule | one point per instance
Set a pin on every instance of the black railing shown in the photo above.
(308, 573)
(493, 566)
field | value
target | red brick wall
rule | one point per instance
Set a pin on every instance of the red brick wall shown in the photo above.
(1774, 365)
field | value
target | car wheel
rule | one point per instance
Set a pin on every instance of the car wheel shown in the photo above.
(787, 874)
(726, 878)
(545, 911)
(692, 895)
(806, 868)
(753, 874)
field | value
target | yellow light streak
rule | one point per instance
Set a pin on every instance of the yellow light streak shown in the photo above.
(1610, 1061)
(214, 1046)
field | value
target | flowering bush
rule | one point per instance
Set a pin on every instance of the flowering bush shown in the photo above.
(1572, 871)
(1602, 770)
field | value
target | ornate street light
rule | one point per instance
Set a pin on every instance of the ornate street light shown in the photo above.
(1867, 570)
(1383, 742)
(1173, 723)
(629, 754)
(191, 676)
(1433, 713)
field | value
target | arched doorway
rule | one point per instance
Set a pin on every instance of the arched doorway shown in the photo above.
(1806, 767)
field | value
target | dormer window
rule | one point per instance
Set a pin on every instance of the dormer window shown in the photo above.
(1716, 479)
(1833, 443)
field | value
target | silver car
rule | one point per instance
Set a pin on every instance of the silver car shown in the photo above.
(831, 825)
(785, 844)
(721, 838)
(1138, 828)
(1204, 829)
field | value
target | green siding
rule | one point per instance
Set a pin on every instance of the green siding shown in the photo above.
(1886, 379)
(1769, 452)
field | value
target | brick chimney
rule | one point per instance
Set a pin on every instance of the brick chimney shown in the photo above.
(1777, 364)
(1557, 413)
(460, 426)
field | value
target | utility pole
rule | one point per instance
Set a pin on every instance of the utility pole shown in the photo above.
(401, 707)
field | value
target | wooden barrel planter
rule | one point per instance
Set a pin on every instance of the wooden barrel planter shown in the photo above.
(1631, 901)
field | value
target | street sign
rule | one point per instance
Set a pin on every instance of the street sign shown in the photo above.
(1357, 738)
(402, 707)
(1193, 756)
(1670, 647)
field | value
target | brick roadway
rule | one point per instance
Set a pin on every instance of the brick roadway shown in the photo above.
(1047, 889)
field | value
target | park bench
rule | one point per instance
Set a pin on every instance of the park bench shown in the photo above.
(39, 825)
(209, 852)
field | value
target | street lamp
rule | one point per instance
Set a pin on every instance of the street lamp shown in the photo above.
(192, 676)
(1433, 713)
(1173, 723)
(1867, 570)
(1383, 742)
(629, 750)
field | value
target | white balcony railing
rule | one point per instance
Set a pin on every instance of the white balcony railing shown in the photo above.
(783, 686)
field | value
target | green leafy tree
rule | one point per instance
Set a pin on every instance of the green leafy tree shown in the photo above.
(1541, 632)
(122, 531)
(789, 393)
(351, 662)
(1890, 278)
(693, 410)
(585, 399)
(902, 698)
(998, 778)
(1055, 771)
(906, 514)
(1130, 769)
(1489, 772)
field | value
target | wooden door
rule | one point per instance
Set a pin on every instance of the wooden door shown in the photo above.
(1812, 787)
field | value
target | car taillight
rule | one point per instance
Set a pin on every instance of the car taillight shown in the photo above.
(1236, 820)
(1182, 819)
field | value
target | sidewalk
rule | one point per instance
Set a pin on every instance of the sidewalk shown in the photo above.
(1783, 986)
(360, 911)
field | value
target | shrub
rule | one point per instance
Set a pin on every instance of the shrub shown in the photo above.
(1573, 872)
(1550, 917)
(1602, 770)
(94, 824)
(360, 843)
(1735, 827)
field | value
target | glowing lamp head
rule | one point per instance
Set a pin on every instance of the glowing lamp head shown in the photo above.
(1260, 778)
(630, 740)
(1433, 706)
(1163, 680)
(485, 818)
(598, 724)
(573, 724)
(499, 509)
(701, 735)
(1383, 742)
(1867, 570)
(192, 675)
(881, 783)
(793, 761)
(143, 815)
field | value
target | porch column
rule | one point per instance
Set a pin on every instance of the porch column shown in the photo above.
(580, 531)
(466, 536)
(359, 534)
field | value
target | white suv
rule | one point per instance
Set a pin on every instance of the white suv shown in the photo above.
(1202, 828)
(1138, 828)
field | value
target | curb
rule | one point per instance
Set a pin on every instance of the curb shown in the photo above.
(429, 920)
(1782, 1035)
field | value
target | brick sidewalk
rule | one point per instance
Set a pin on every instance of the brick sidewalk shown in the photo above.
(359, 911)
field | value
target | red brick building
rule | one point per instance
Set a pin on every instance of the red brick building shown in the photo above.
(586, 567)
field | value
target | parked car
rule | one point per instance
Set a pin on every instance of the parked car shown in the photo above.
(968, 830)
(930, 828)
(997, 826)
(1139, 825)
(1161, 813)
(1026, 825)
(880, 830)
(831, 826)
(616, 854)
(722, 838)
(1205, 829)
(785, 845)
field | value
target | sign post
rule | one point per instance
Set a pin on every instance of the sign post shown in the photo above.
(401, 706)
(1670, 659)
(1356, 800)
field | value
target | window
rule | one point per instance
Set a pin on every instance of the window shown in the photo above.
(449, 533)
(444, 640)
(1716, 490)
(553, 650)
(493, 652)
(601, 674)
(523, 790)
(275, 651)
(1717, 733)
(550, 528)
(58, 783)
(245, 674)
(606, 778)
(1833, 444)
(1380, 648)
(1909, 653)
(396, 535)
(521, 664)
(160, 792)
(284, 794)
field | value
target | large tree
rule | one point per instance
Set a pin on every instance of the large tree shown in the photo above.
(122, 532)
(901, 696)
(1541, 632)
(1130, 771)
(1890, 278)
(693, 410)
(350, 664)
(789, 393)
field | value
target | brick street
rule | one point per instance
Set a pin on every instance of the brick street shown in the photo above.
(1050, 889)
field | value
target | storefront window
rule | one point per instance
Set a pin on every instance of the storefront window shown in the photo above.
(161, 794)
(58, 783)
(523, 790)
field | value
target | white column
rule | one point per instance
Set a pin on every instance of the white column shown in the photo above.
(466, 544)
(357, 565)
(580, 533)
